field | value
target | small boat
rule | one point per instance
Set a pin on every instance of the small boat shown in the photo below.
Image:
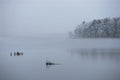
(16, 54)
(50, 63)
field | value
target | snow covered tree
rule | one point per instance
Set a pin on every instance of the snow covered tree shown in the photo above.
(104, 28)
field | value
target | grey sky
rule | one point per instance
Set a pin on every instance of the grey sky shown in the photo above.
(35, 17)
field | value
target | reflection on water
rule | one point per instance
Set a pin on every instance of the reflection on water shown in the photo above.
(95, 53)
(86, 63)
(49, 66)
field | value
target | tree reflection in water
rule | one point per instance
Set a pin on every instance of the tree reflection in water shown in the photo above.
(94, 53)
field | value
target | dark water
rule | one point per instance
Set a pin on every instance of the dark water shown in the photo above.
(83, 59)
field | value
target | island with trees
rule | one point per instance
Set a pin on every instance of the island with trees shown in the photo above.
(98, 28)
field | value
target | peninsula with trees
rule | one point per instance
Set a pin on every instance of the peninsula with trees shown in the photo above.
(98, 28)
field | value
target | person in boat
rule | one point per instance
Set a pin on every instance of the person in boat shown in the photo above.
(17, 53)
(50, 63)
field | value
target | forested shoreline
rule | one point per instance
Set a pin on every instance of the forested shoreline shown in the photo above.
(98, 28)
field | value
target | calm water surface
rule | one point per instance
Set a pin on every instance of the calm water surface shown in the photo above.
(79, 59)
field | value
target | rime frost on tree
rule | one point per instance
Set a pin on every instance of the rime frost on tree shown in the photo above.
(106, 28)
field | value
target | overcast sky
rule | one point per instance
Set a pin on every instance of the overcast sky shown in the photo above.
(36, 17)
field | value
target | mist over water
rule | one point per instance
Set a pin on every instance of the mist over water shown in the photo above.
(79, 59)
(34, 28)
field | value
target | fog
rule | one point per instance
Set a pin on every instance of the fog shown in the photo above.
(38, 17)
(23, 22)
(79, 59)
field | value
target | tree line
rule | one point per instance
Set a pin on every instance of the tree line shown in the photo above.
(100, 28)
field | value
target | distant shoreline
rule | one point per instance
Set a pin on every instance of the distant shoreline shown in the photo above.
(100, 28)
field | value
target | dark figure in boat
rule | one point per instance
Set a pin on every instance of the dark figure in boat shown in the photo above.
(16, 54)
(50, 63)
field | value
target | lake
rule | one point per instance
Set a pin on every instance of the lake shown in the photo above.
(78, 59)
